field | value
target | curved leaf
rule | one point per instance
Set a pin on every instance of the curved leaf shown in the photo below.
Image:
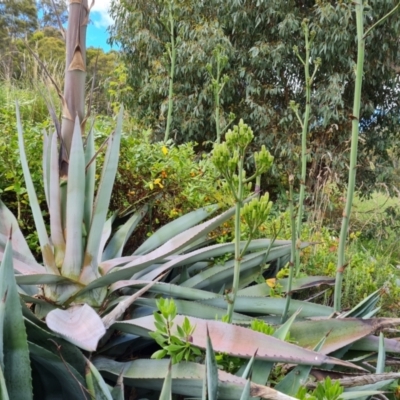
(14, 353)
(187, 378)
(174, 228)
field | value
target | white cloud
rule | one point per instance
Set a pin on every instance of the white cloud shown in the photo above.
(102, 19)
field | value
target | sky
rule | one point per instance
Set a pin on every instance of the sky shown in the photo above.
(97, 34)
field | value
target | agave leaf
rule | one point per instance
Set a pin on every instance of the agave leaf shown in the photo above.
(187, 378)
(75, 200)
(103, 195)
(95, 383)
(118, 391)
(292, 382)
(380, 363)
(79, 325)
(342, 331)
(364, 307)
(267, 305)
(25, 268)
(211, 370)
(118, 241)
(105, 235)
(195, 309)
(46, 164)
(90, 162)
(170, 230)
(235, 340)
(167, 289)
(14, 353)
(122, 306)
(54, 204)
(166, 391)
(141, 262)
(3, 386)
(48, 256)
(246, 391)
(8, 223)
(359, 394)
(43, 279)
(371, 343)
(248, 369)
(69, 382)
(60, 348)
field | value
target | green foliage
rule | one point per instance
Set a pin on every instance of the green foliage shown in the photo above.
(178, 346)
(258, 40)
(326, 390)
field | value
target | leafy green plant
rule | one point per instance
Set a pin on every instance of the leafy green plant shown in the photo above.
(178, 346)
(326, 390)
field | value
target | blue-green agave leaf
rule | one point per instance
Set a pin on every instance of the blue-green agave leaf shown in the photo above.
(211, 370)
(118, 241)
(103, 195)
(56, 224)
(14, 353)
(47, 252)
(296, 378)
(166, 391)
(3, 387)
(72, 264)
(90, 179)
(246, 391)
(174, 228)
(98, 389)
(187, 378)
(381, 361)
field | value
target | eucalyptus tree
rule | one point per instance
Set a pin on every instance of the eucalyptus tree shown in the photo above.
(264, 75)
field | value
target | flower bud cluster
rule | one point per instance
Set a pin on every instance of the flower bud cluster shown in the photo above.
(256, 212)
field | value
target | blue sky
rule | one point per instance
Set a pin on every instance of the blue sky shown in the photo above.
(97, 34)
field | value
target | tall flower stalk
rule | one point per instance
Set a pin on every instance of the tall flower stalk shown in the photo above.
(304, 123)
(171, 49)
(229, 157)
(341, 262)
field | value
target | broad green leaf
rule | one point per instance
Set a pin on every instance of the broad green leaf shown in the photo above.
(342, 331)
(174, 228)
(73, 259)
(211, 370)
(116, 244)
(79, 325)
(187, 378)
(14, 353)
(359, 394)
(166, 390)
(48, 256)
(95, 383)
(103, 195)
(242, 342)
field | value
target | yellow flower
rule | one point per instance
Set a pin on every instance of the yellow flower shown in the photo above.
(158, 182)
(164, 150)
(271, 282)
